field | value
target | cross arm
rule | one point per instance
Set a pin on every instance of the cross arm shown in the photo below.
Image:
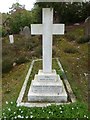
(36, 29)
(58, 29)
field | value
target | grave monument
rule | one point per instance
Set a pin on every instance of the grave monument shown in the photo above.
(47, 84)
(87, 27)
(26, 32)
(11, 39)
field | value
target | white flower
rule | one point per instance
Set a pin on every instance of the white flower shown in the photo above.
(5, 117)
(3, 113)
(61, 112)
(31, 116)
(85, 74)
(11, 102)
(77, 107)
(26, 117)
(9, 109)
(85, 116)
(15, 117)
(47, 117)
(30, 112)
(49, 111)
(19, 116)
(48, 104)
(14, 112)
(72, 108)
(6, 102)
(78, 46)
(21, 111)
(22, 117)
(78, 58)
(60, 108)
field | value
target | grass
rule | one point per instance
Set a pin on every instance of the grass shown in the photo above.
(75, 66)
(13, 82)
(74, 110)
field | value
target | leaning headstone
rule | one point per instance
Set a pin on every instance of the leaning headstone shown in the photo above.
(87, 27)
(26, 32)
(11, 39)
(21, 31)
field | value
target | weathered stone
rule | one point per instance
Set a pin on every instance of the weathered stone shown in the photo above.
(47, 85)
(11, 38)
(87, 26)
(26, 32)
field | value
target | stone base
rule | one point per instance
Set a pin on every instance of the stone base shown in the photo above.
(47, 87)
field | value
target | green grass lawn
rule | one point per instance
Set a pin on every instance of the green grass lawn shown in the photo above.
(74, 59)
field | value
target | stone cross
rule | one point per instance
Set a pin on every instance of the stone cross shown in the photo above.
(47, 29)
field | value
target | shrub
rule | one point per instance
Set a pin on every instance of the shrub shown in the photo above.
(38, 51)
(60, 72)
(21, 59)
(70, 37)
(6, 65)
(70, 50)
(83, 39)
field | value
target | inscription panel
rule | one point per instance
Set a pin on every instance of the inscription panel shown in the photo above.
(47, 77)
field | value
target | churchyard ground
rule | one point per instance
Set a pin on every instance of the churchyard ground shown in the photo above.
(74, 58)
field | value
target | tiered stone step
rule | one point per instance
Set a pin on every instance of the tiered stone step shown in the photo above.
(47, 87)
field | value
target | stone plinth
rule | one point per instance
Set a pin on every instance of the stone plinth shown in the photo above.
(47, 87)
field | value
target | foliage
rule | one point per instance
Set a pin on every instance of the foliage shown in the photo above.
(69, 12)
(19, 19)
(21, 59)
(6, 65)
(21, 51)
(65, 12)
(83, 39)
(16, 7)
(70, 37)
(74, 110)
(70, 50)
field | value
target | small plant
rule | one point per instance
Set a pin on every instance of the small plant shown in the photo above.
(6, 65)
(84, 39)
(73, 110)
(70, 37)
(21, 59)
(60, 72)
(70, 50)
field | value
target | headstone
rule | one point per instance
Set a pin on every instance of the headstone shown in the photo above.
(87, 26)
(11, 38)
(26, 32)
(47, 85)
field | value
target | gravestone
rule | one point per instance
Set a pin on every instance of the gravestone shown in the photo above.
(26, 32)
(47, 84)
(87, 27)
(11, 39)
